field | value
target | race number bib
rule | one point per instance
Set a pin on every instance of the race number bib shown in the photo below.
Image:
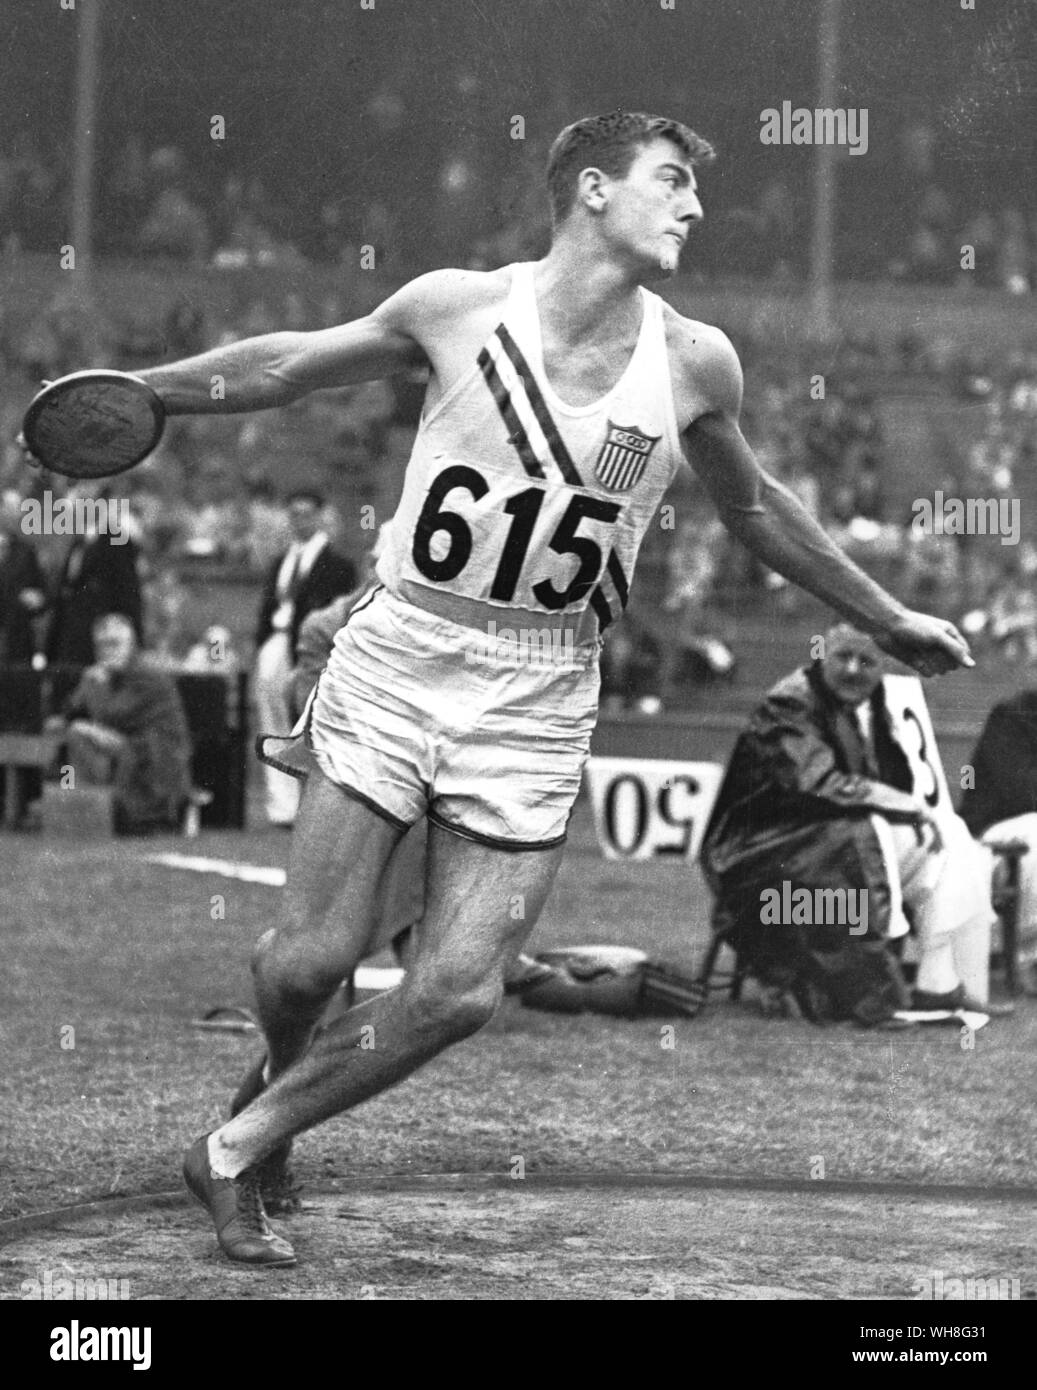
(647, 808)
(484, 535)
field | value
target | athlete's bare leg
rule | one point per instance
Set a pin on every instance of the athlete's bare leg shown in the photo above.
(481, 905)
(339, 849)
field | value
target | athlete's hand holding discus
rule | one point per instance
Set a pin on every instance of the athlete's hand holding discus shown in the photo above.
(92, 424)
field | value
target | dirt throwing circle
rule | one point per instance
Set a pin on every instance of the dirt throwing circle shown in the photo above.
(477, 1237)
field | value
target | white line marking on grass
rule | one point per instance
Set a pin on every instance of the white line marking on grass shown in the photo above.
(365, 977)
(226, 868)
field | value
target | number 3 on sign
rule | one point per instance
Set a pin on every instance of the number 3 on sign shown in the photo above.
(648, 809)
(913, 730)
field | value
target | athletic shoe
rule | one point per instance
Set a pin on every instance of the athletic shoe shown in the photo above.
(236, 1208)
(281, 1193)
(955, 999)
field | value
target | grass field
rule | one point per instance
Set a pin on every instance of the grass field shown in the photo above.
(125, 953)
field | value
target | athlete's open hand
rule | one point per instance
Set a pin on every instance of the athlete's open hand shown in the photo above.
(931, 646)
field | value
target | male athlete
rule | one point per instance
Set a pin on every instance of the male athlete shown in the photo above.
(562, 398)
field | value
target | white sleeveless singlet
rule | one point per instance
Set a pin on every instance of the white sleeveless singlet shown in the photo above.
(519, 507)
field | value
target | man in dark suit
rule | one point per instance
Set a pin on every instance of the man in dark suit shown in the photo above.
(22, 596)
(309, 575)
(99, 576)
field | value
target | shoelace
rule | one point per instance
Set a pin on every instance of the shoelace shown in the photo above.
(280, 1191)
(250, 1204)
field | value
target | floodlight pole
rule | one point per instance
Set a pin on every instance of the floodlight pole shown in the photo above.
(85, 128)
(822, 239)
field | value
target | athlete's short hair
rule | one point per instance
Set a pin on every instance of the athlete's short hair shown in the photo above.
(611, 143)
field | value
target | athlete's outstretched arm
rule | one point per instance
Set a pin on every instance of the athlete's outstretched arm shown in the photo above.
(768, 520)
(277, 368)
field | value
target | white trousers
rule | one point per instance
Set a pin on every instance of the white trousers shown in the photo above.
(948, 893)
(274, 715)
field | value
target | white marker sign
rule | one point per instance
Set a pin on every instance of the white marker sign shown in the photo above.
(648, 808)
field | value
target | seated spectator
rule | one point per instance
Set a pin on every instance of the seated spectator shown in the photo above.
(819, 796)
(126, 725)
(1001, 804)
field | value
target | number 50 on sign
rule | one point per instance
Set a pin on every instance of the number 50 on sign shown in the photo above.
(647, 808)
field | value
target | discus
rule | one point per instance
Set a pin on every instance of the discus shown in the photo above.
(93, 424)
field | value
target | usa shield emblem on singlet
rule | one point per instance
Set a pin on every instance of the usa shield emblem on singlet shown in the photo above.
(624, 456)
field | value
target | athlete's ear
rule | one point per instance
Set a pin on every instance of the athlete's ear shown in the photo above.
(592, 189)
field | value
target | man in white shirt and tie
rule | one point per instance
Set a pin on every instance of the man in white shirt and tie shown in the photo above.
(309, 575)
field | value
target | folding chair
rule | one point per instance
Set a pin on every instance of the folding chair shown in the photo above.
(710, 980)
(1005, 897)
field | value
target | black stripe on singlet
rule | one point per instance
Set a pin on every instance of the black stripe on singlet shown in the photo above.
(539, 406)
(517, 435)
(619, 579)
(600, 603)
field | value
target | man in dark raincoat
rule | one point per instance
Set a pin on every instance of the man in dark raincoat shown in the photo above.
(820, 852)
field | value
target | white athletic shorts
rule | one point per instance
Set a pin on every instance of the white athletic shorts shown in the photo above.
(417, 715)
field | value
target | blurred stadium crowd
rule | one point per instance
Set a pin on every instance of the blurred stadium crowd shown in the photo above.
(482, 205)
(209, 496)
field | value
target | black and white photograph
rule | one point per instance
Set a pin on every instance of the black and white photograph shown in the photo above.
(518, 664)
